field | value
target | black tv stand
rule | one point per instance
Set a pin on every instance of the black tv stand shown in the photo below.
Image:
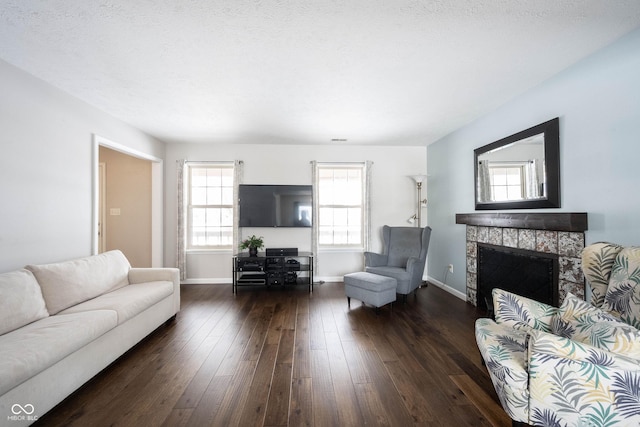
(272, 270)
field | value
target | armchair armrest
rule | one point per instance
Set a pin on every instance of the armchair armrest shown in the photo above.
(522, 313)
(372, 259)
(411, 262)
(579, 384)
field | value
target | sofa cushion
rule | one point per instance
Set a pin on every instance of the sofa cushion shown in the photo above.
(623, 292)
(582, 322)
(576, 318)
(128, 301)
(21, 300)
(71, 282)
(27, 351)
(520, 312)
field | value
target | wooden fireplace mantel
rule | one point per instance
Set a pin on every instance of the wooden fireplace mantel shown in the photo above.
(562, 221)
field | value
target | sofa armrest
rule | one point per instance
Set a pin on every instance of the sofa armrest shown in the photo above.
(578, 384)
(372, 259)
(522, 313)
(143, 275)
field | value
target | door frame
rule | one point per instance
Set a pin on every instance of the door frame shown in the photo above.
(102, 206)
(157, 194)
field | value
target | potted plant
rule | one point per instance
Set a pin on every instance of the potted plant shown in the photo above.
(253, 243)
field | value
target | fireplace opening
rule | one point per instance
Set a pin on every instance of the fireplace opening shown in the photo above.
(530, 274)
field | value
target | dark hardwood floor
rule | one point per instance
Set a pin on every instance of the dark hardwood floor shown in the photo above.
(284, 357)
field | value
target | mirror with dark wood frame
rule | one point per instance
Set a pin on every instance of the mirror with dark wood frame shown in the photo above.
(521, 171)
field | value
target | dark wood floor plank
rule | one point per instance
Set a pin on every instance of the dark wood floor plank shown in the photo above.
(239, 345)
(491, 411)
(160, 395)
(302, 347)
(418, 396)
(255, 407)
(254, 346)
(233, 403)
(285, 357)
(392, 401)
(373, 410)
(178, 417)
(349, 412)
(277, 321)
(355, 362)
(280, 396)
(325, 406)
(301, 408)
(206, 410)
(316, 327)
(200, 382)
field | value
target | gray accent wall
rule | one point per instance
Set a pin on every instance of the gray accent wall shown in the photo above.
(598, 103)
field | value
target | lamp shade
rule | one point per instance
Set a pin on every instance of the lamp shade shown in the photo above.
(419, 179)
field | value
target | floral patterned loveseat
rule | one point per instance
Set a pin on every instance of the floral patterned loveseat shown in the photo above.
(573, 365)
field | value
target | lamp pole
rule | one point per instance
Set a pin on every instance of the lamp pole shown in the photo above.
(419, 215)
(419, 179)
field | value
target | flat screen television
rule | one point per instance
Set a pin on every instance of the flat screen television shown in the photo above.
(275, 205)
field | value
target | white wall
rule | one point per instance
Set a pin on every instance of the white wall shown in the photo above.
(598, 102)
(394, 196)
(46, 169)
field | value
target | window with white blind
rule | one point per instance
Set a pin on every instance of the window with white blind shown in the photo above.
(341, 205)
(210, 206)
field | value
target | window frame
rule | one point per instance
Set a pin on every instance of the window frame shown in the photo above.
(190, 246)
(361, 167)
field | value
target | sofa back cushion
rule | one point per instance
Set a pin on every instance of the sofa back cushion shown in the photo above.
(597, 262)
(582, 322)
(68, 283)
(520, 312)
(21, 300)
(623, 293)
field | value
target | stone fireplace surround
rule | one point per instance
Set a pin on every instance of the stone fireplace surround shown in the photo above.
(555, 233)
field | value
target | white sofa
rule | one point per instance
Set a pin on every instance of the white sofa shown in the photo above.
(62, 323)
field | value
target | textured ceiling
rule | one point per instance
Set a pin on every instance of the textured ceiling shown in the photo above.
(304, 71)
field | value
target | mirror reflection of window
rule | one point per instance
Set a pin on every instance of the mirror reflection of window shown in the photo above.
(512, 172)
(507, 182)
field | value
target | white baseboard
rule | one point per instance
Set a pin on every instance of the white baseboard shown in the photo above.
(328, 279)
(223, 281)
(448, 288)
(204, 281)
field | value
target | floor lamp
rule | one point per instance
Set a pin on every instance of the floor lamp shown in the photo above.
(419, 179)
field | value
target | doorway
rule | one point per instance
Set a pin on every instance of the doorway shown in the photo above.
(128, 205)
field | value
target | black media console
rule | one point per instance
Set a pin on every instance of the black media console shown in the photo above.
(273, 269)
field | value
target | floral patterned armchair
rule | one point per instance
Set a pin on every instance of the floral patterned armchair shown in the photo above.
(573, 365)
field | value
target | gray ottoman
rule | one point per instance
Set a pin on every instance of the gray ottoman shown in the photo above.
(370, 288)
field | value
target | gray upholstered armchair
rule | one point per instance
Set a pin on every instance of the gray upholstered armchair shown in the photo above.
(403, 258)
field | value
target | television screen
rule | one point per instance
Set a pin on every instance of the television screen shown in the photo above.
(275, 205)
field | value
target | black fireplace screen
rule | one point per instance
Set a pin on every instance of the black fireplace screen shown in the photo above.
(530, 274)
